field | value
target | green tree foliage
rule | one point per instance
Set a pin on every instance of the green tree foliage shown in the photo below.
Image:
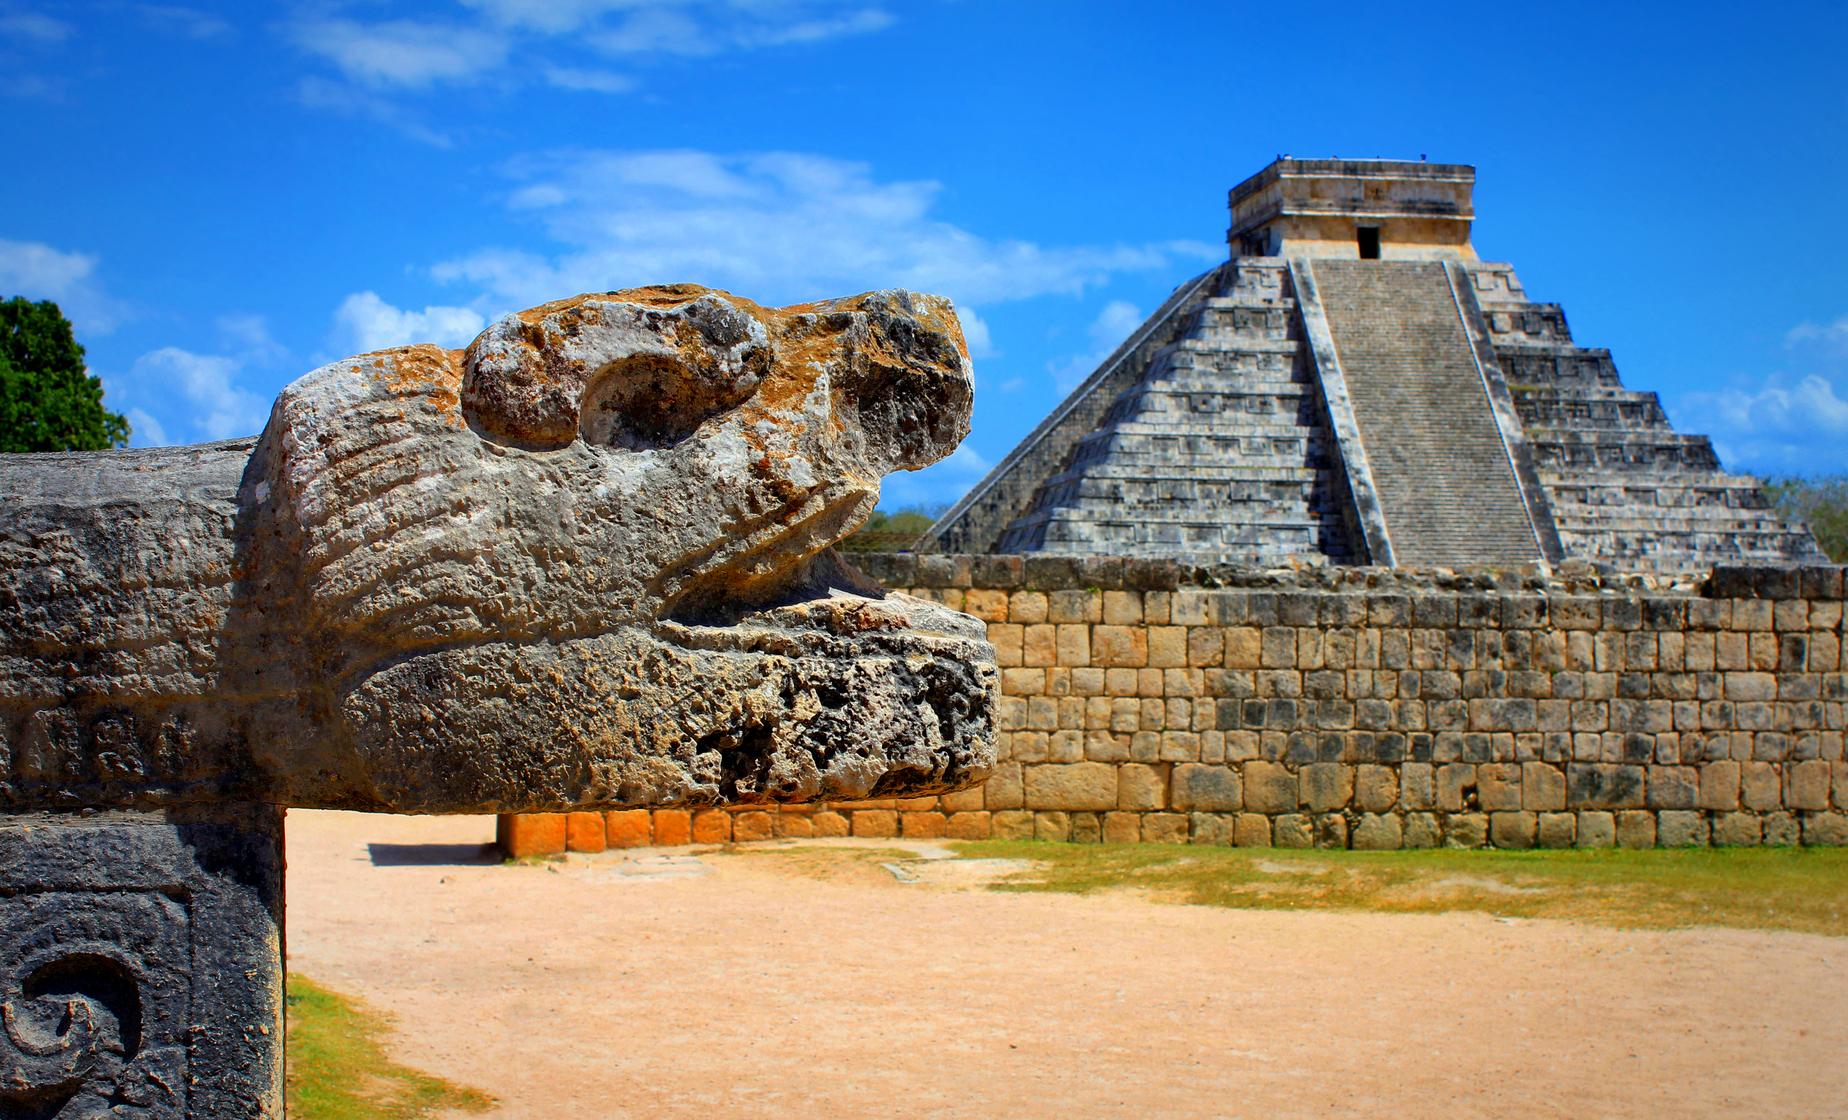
(889, 532)
(1822, 501)
(48, 400)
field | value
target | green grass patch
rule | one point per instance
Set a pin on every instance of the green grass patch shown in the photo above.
(1803, 889)
(338, 1069)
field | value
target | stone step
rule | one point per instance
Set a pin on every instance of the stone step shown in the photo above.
(1446, 489)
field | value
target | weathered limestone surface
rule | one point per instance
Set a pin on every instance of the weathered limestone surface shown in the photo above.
(583, 563)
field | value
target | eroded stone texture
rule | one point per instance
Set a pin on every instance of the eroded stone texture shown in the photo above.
(583, 563)
(141, 964)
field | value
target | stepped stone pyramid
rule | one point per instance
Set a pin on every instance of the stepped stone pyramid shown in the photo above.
(1354, 386)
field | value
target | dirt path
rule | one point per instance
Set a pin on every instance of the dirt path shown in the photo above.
(676, 986)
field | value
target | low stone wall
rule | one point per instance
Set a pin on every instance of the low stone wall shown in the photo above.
(1344, 707)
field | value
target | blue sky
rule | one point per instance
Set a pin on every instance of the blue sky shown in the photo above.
(225, 196)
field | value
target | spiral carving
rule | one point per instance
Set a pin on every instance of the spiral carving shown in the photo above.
(92, 991)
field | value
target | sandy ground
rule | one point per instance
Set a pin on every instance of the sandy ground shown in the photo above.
(686, 985)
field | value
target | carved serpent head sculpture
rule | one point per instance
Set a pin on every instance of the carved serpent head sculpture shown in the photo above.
(582, 563)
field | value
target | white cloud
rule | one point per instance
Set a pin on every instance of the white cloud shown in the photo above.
(402, 52)
(518, 42)
(975, 332)
(145, 431)
(1832, 335)
(1796, 425)
(588, 81)
(320, 93)
(202, 388)
(783, 226)
(38, 271)
(1112, 325)
(370, 323)
(36, 26)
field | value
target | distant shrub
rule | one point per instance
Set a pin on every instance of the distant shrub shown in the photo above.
(890, 532)
(1820, 500)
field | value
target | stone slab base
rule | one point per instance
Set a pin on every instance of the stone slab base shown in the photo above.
(141, 964)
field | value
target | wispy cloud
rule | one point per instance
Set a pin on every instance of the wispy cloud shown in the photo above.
(567, 44)
(1112, 325)
(402, 52)
(321, 93)
(783, 226)
(39, 271)
(368, 323)
(588, 81)
(23, 23)
(1781, 424)
(1831, 335)
(204, 399)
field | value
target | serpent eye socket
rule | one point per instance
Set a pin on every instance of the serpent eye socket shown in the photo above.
(651, 401)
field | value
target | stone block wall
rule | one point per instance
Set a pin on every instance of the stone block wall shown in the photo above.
(1364, 708)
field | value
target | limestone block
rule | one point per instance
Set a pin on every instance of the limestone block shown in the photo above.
(1087, 828)
(1052, 826)
(583, 564)
(1558, 830)
(673, 827)
(1719, 786)
(1254, 830)
(627, 828)
(1012, 824)
(1270, 788)
(1422, 830)
(971, 825)
(1604, 786)
(1164, 828)
(1808, 785)
(1327, 786)
(1122, 828)
(929, 825)
(754, 824)
(1292, 830)
(1761, 786)
(1597, 829)
(1376, 788)
(1543, 787)
(1212, 828)
(1418, 786)
(1378, 832)
(1513, 829)
(1673, 787)
(1782, 830)
(1737, 830)
(1205, 788)
(829, 825)
(1004, 788)
(1498, 786)
(1828, 830)
(714, 826)
(530, 834)
(795, 826)
(1086, 786)
(1466, 830)
(584, 832)
(1331, 830)
(1681, 828)
(1636, 829)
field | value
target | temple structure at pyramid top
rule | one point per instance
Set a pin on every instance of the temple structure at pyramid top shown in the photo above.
(1353, 385)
